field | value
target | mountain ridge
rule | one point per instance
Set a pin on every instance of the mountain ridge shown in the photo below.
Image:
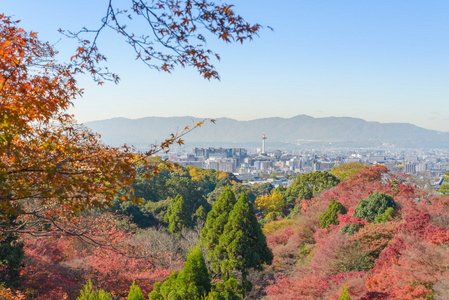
(300, 128)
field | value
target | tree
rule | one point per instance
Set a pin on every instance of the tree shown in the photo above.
(134, 292)
(170, 33)
(192, 282)
(88, 294)
(308, 185)
(177, 216)
(242, 245)
(271, 205)
(345, 171)
(374, 205)
(344, 293)
(52, 169)
(330, 215)
(215, 224)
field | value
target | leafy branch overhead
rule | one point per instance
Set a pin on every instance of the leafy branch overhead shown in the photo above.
(170, 33)
(52, 169)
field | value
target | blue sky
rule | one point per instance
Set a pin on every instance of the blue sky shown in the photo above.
(382, 60)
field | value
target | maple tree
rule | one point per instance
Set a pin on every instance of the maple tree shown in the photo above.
(170, 33)
(52, 169)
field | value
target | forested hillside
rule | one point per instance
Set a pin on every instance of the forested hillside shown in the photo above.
(367, 234)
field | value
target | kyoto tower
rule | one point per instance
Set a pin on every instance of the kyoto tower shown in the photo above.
(263, 142)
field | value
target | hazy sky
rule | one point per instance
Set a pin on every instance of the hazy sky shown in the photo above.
(379, 60)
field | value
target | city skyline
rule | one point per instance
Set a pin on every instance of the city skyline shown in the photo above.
(378, 61)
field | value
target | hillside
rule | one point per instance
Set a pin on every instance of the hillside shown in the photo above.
(300, 129)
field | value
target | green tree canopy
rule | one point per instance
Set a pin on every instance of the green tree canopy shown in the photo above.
(374, 205)
(215, 224)
(192, 282)
(242, 245)
(330, 216)
(178, 216)
(344, 171)
(308, 185)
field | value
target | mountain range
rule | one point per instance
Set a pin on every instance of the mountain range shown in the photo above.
(301, 129)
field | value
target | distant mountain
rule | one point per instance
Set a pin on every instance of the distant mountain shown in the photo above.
(300, 129)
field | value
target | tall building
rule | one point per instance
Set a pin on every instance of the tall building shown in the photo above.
(263, 142)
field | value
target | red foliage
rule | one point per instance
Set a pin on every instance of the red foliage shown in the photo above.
(279, 237)
(59, 266)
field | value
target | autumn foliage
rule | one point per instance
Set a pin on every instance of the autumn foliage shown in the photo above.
(403, 257)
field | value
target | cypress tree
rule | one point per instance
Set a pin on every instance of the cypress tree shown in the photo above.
(215, 224)
(177, 215)
(242, 245)
(193, 282)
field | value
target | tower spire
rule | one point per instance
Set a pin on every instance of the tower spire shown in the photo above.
(263, 142)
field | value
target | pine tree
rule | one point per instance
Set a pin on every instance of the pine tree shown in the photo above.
(177, 215)
(215, 224)
(242, 245)
(193, 282)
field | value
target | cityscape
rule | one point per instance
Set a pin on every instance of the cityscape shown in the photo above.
(255, 164)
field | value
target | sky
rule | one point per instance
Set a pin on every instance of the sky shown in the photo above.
(383, 60)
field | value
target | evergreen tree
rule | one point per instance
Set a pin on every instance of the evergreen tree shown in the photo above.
(374, 205)
(200, 214)
(177, 215)
(11, 255)
(242, 246)
(88, 294)
(344, 293)
(215, 224)
(193, 282)
(135, 293)
(330, 216)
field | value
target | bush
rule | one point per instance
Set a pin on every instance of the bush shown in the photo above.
(330, 216)
(374, 205)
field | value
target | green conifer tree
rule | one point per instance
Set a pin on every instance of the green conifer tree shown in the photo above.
(135, 293)
(87, 293)
(344, 293)
(177, 215)
(200, 214)
(242, 246)
(193, 282)
(215, 224)
(330, 216)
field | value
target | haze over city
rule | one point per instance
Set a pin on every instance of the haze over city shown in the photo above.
(376, 60)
